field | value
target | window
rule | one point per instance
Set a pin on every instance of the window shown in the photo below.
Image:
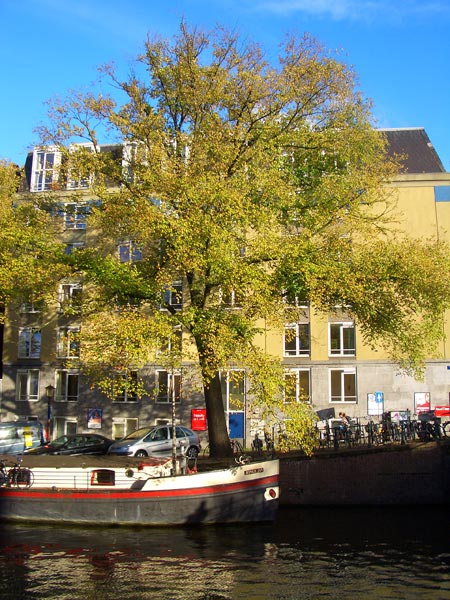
(103, 477)
(64, 426)
(122, 427)
(168, 387)
(74, 215)
(70, 297)
(171, 344)
(296, 339)
(126, 386)
(68, 343)
(31, 306)
(134, 158)
(129, 252)
(442, 193)
(44, 170)
(66, 386)
(342, 339)
(28, 385)
(29, 342)
(297, 385)
(295, 301)
(79, 176)
(173, 296)
(69, 249)
(233, 389)
(343, 385)
(232, 298)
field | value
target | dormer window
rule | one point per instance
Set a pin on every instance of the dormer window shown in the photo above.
(45, 169)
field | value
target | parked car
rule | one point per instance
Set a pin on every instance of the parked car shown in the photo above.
(19, 436)
(77, 443)
(157, 441)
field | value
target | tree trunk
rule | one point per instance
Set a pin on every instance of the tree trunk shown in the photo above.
(219, 441)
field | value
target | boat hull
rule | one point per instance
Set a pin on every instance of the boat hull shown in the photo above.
(248, 493)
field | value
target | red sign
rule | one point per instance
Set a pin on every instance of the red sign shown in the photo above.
(442, 411)
(198, 419)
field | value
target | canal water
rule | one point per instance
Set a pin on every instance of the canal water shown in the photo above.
(320, 553)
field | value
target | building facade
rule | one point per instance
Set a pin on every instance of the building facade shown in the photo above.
(324, 358)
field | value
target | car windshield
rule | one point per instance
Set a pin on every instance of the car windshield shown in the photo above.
(136, 435)
(59, 442)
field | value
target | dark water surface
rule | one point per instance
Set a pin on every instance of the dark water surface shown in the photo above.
(335, 553)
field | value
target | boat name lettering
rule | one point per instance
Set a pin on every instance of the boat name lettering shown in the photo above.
(251, 471)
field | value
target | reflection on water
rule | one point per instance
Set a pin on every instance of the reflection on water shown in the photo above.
(307, 554)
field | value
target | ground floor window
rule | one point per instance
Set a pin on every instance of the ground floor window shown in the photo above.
(122, 427)
(343, 385)
(64, 426)
(28, 385)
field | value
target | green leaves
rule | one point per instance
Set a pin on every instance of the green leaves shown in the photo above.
(30, 255)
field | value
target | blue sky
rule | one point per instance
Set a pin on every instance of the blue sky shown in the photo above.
(400, 50)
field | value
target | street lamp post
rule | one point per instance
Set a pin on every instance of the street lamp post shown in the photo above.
(50, 393)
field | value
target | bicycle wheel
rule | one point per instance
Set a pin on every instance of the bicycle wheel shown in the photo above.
(21, 478)
(446, 429)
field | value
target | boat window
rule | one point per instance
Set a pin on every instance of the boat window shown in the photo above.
(103, 477)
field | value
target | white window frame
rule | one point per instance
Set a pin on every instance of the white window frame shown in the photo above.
(79, 183)
(172, 343)
(31, 307)
(346, 374)
(30, 342)
(67, 292)
(71, 246)
(68, 342)
(173, 295)
(299, 385)
(121, 427)
(130, 156)
(172, 386)
(63, 378)
(31, 379)
(289, 338)
(231, 300)
(75, 215)
(123, 396)
(129, 252)
(294, 301)
(64, 426)
(229, 382)
(344, 327)
(44, 173)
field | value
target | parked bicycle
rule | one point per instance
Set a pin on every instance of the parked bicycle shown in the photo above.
(236, 447)
(16, 476)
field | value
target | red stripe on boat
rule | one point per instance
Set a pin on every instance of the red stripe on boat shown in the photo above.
(123, 494)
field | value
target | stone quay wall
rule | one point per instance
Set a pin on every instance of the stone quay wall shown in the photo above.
(416, 474)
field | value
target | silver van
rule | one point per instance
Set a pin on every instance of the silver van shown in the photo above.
(18, 436)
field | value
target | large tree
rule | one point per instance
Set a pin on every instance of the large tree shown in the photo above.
(249, 182)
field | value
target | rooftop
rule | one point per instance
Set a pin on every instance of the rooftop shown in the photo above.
(418, 153)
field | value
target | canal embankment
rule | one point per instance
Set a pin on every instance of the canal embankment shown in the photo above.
(409, 474)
